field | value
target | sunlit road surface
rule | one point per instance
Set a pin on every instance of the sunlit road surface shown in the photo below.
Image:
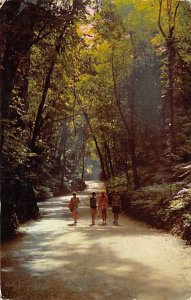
(51, 259)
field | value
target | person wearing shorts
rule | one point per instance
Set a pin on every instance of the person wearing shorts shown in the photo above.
(103, 205)
(93, 207)
(74, 202)
(116, 207)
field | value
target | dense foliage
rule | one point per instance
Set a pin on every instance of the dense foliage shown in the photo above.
(96, 80)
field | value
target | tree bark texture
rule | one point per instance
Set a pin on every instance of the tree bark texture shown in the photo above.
(171, 54)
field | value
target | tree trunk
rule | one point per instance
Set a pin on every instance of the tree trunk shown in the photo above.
(83, 161)
(83, 166)
(109, 158)
(127, 173)
(104, 174)
(92, 133)
(7, 77)
(170, 46)
(8, 71)
(38, 121)
(24, 80)
(163, 117)
(171, 54)
(107, 163)
(17, 28)
(63, 170)
(131, 139)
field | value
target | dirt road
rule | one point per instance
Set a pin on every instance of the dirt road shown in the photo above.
(52, 260)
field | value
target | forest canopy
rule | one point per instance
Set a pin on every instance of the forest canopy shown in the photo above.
(96, 80)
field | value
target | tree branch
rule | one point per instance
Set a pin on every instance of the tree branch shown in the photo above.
(159, 20)
(175, 13)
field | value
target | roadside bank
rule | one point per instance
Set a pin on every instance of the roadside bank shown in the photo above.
(164, 206)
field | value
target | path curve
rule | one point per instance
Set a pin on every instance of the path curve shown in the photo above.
(52, 260)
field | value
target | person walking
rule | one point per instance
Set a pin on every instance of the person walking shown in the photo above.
(116, 207)
(93, 207)
(73, 205)
(103, 205)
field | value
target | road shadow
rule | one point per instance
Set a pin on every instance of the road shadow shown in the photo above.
(87, 269)
(53, 259)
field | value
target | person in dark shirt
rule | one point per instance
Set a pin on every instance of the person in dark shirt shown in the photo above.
(116, 207)
(93, 207)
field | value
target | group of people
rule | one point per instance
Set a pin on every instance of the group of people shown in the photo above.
(100, 204)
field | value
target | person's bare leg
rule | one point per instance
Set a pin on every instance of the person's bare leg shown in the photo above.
(114, 218)
(117, 218)
(103, 217)
(93, 216)
(75, 217)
